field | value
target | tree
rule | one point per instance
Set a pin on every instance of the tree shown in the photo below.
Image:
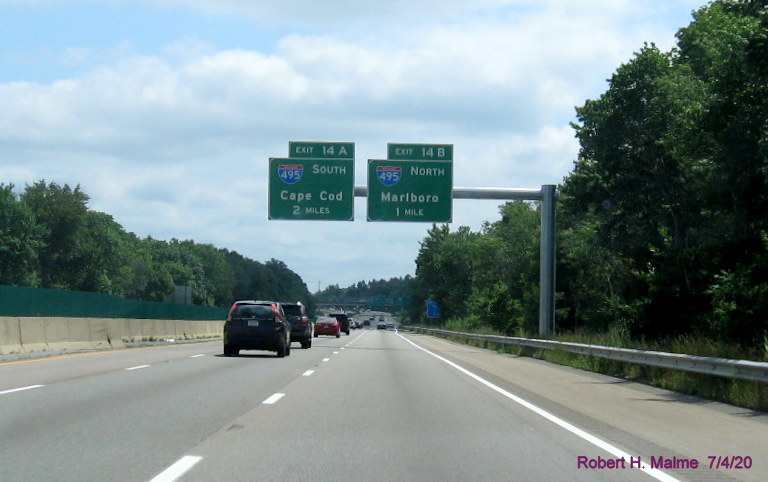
(21, 240)
(61, 211)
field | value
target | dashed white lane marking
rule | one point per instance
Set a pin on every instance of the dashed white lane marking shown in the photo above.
(326, 359)
(197, 356)
(178, 469)
(139, 367)
(655, 473)
(308, 373)
(273, 399)
(335, 353)
(12, 390)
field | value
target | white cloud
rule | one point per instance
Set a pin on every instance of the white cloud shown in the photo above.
(175, 143)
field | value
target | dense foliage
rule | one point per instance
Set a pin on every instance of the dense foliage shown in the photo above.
(663, 222)
(367, 291)
(50, 238)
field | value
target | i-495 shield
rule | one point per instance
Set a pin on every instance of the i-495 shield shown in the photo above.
(389, 175)
(290, 173)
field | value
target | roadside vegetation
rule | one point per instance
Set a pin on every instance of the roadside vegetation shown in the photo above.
(662, 223)
(49, 238)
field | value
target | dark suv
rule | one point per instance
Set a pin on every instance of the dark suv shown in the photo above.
(301, 328)
(343, 321)
(257, 325)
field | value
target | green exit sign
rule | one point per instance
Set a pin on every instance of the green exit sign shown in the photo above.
(321, 150)
(420, 152)
(410, 191)
(311, 189)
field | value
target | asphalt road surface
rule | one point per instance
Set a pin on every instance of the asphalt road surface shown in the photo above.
(375, 405)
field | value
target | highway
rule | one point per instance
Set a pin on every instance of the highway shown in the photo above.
(374, 405)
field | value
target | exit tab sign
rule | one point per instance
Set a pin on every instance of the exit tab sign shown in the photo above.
(321, 150)
(420, 152)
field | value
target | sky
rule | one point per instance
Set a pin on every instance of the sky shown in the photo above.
(166, 112)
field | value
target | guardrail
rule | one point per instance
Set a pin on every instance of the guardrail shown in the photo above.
(721, 367)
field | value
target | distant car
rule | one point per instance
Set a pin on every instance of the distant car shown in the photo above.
(390, 325)
(327, 325)
(301, 328)
(381, 325)
(257, 325)
(343, 321)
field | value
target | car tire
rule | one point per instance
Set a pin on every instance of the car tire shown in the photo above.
(347, 332)
(230, 350)
(306, 343)
(338, 335)
(281, 350)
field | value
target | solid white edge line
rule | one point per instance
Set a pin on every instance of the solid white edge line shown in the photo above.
(139, 367)
(12, 390)
(308, 373)
(177, 469)
(273, 399)
(655, 473)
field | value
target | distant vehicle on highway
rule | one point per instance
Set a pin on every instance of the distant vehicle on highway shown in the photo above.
(390, 325)
(343, 320)
(301, 328)
(257, 325)
(327, 325)
(381, 325)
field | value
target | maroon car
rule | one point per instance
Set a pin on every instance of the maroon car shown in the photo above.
(327, 325)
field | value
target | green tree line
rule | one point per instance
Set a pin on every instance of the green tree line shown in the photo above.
(49, 238)
(663, 221)
(396, 287)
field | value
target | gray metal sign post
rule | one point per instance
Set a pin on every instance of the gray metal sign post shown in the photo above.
(546, 196)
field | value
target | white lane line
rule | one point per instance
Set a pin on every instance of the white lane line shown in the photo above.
(308, 373)
(326, 359)
(139, 367)
(335, 353)
(21, 389)
(273, 399)
(655, 473)
(197, 356)
(358, 337)
(178, 469)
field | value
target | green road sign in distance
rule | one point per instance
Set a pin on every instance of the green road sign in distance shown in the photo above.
(321, 150)
(411, 191)
(420, 152)
(312, 189)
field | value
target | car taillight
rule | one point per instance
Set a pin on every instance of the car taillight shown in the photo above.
(304, 319)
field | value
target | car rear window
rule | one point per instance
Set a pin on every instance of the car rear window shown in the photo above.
(253, 310)
(292, 310)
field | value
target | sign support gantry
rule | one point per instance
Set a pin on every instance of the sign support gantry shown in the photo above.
(546, 195)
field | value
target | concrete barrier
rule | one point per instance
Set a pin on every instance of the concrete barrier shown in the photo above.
(10, 335)
(32, 334)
